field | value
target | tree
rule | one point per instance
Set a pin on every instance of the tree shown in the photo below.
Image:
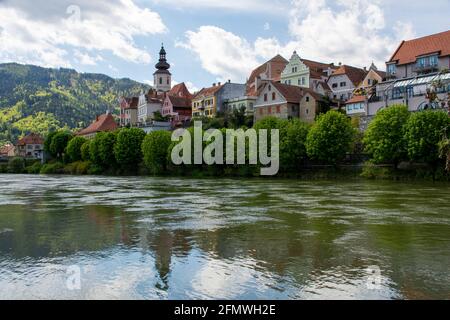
(330, 138)
(128, 147)
(102, 149)
(424, 131)
(293, 135)
(384, 139)
(73, 150)
(85, 151)
(59, 143)
(156, 151)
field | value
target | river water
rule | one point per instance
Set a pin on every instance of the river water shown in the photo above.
(169, 238)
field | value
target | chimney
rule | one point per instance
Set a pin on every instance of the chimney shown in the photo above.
(340, 64)
(257, 82)
(365, 69)
(96, 118)
(219, 84)
(229, 81)
(214, 84)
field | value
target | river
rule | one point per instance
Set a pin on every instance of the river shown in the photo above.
(64, 237)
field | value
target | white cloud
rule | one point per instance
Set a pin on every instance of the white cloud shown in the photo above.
(86, 59)
(44, 32)
(266, 6)
(352, 32)
(266, 26)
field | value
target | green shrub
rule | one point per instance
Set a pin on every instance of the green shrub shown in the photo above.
(3, 168)
(384, 139)
(74, 149)
(423, 133)
(128, 147)
(77, 168)
(16, 165)
(330, 138)
(34, 168)
(53, 168)
(102, 150)
(155, 149)
(58, 143)
(374, 171)
(85, 151)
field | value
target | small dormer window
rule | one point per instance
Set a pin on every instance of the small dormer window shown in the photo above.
(392, 69)
(270, 88)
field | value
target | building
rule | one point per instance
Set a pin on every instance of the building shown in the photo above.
(409, 80)
(103, 123)
(129, 111)
(148, 105)
(7, 151)
(210, 101)
(31, 146)
(162, 77)
(178, 105)
(287, 102)
(307, 73)
(422, 56)
(373, 77)
(344, 81)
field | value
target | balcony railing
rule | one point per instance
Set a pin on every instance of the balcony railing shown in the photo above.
(425, 67)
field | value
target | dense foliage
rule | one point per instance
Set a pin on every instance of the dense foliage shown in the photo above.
(102, 149)
(41, 100)
(384, 140)
(58, 144)
(330, 138)
(156, 151)
(423, 133)
(74, 149)
(127, 149)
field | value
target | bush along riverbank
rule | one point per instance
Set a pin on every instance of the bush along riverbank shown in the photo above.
(398, 145)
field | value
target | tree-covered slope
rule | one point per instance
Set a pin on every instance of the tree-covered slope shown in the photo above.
(32, 96)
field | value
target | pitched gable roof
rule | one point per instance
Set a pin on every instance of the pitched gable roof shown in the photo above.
(408, 51)
(356, 99)
(208, 92)
(356, 75)
(6, 149)
(180, 102)
(180, 90)
(316, 69)
(273, 69)
(32, 138)
(291, 94)
(105, 122)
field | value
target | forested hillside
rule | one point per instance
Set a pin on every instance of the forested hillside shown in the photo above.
(38, 99)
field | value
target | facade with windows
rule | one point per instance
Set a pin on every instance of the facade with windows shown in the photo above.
(344, 81)
(162, 78)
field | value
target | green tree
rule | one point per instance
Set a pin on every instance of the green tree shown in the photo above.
(156, 151)
(86, 151)
(384, 139)
(16, 165)
(293, 137)
(128, 147)
(74, 148)
(424, 131)
(330, 138)
(59, 143)
(102, 149)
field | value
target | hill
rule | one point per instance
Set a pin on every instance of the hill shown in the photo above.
(39, 99)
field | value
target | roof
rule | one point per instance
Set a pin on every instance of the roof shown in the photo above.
(273, 69)
(314, 94)
(408, 51)
(180, 90)
(180, 102)
(208, 92)
(130, 103)
(32, 138)
(292, 94)
(356, 75)
(6, 148)
(105, 122)
(356, 99)
(316, 69)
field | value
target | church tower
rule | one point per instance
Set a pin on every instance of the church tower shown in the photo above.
(162, 76)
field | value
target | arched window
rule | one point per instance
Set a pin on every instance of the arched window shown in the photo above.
(274, 95)
(160, 80)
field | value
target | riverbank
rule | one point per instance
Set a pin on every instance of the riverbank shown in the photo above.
(368, 171)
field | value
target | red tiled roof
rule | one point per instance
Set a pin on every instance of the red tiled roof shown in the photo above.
(356, 99)
(314, 94)
(276, 66)
(32, 138)
(180, 90)
(316, 69)
(292, 94)
(356, 75)
(208, 92)
(180, 102)
(408, 51)
(105, 122)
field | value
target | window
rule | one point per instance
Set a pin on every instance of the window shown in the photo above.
(335, 85)
(307, 111)
(307, 99)
(160, 80)
(278, 109)
(397, 93)
(265, 96)
(270, 110)
(270, 88)
(168, 81)
(274, 96)
(299, 82)
(392, 69)
(343, 84)
(303, 81)
(369, 82)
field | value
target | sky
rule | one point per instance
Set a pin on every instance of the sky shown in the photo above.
(209, 41)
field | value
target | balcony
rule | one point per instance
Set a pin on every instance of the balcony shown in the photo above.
(423, 68)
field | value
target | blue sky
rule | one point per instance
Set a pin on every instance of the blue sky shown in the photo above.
(208, 40)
